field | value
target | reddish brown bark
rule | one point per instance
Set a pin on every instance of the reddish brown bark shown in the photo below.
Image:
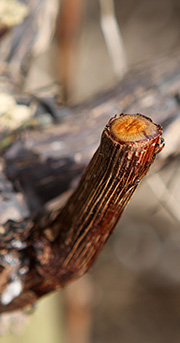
(63, 245)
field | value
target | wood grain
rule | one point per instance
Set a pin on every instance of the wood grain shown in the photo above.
(47, 252)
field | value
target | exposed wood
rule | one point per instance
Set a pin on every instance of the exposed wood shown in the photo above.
(43, 254)
(53, 157)
(63, 150)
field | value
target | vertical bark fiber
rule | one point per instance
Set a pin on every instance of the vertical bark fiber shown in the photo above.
(64, 245)
(128, 147)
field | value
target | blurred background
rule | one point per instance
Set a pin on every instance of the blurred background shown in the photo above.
(106, 39)
(132, 294)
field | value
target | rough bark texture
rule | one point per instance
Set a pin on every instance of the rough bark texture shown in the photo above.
(43, 254)
(40, 163)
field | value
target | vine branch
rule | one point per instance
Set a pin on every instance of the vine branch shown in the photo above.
(43, 254)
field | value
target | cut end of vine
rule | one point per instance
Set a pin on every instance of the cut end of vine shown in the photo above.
(134, 128)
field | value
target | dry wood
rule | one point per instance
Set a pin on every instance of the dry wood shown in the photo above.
(149, 90)
(41, 255)
(52, 159)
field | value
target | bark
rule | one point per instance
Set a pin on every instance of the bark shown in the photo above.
(41, 162)
(53, 158)
(45, 253)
